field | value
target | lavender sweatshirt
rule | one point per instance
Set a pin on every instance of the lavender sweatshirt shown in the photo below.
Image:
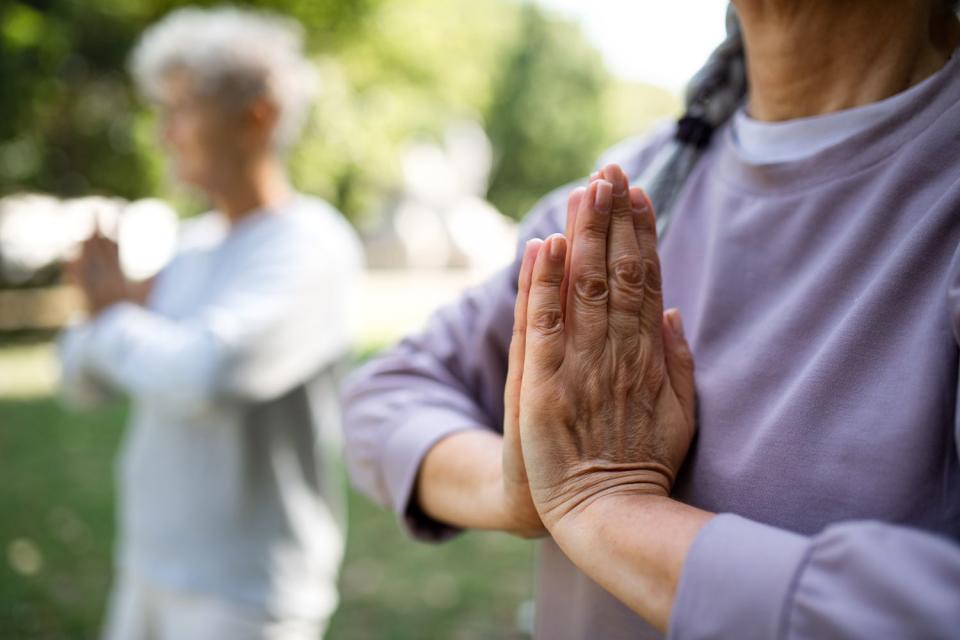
(822, 302)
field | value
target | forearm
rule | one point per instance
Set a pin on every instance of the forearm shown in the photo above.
(460, 481)
(634, 546)
(78, 386)
(149, 356)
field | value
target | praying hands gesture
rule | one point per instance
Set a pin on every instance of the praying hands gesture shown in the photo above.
(601, 382)
(97, 272)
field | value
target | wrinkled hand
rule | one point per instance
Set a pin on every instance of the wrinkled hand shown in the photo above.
(97, 273)
(607, 398)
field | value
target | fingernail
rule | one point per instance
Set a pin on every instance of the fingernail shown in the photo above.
(618, 179)
(558, 245)
(603, 200)
(637, 200)
(676, 323)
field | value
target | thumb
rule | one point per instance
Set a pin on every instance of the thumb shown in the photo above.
(679, 361)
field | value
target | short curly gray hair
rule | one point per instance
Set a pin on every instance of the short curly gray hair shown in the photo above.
(233, 56)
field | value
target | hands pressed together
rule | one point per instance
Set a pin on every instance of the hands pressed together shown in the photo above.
(599, 395)
(97, 272)
(599, 409)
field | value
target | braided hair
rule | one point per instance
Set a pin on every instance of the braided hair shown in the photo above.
(712, 97)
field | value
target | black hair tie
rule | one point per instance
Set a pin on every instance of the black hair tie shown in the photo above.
(694, 130)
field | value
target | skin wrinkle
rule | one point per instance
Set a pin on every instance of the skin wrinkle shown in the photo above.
(899, 44)
(603, 479)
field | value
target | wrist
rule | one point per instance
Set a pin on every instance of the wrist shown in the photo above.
(461, 481)
(634, 545)
(597, 488)
(509, 505)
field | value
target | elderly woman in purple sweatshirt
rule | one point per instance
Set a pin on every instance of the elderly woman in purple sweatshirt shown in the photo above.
(804, 219)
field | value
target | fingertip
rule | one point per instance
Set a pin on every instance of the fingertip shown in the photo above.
(573, 202)
(645, 204)
(611, 169)
(675, 324)
(530, 251)
(532, 248)
(557, 247)
(617, 178)
(603, 196)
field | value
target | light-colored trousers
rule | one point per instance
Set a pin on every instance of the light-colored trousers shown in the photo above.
(142, 611)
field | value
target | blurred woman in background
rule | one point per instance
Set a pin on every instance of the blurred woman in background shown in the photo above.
(230, 522)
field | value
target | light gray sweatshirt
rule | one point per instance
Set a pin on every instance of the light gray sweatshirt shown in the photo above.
(227, 481)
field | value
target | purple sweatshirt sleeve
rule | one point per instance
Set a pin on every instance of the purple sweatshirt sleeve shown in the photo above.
(446, 379)
(743, 579)
(859, 579)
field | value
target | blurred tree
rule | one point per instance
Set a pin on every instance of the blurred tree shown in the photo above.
(70, 123)
(421, 64)
(391, 71)
(546, 120)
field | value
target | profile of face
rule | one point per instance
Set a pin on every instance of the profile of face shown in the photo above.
(207, 139)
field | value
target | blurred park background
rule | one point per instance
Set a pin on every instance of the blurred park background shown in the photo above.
(504, 100)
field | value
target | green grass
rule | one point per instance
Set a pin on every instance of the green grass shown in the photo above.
(56, 536)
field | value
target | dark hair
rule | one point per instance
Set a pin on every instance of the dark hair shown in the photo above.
(712, 97)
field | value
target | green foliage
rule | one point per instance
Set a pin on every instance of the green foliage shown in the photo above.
(546, 120)
(392, 71)
(70, 122)
(421, 64)
(66, 111)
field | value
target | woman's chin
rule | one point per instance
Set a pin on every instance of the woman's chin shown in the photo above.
(192, 179)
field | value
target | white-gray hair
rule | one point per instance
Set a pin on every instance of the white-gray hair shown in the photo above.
(233, 56)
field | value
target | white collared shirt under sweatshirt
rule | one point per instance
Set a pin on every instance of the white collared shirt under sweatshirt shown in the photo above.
(227, 477)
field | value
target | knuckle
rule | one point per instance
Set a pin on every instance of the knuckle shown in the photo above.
(549, 277)
(595, 225)
(651, 272)
(548, 321)
(629, 272)
(622, 212)
(591, 289)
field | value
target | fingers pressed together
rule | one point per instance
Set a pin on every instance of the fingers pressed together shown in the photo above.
(597, 284)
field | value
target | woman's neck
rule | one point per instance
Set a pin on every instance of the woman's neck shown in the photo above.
(251, 188)
(807, 58)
